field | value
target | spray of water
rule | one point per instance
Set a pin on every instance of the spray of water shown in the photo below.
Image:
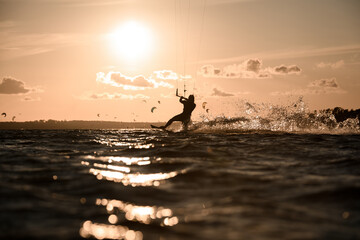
(294, 118)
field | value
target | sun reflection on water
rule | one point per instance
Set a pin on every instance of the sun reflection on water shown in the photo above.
(115, 142)
(132, 212)
(143, 214)
(135, 179)
(112, 167)
(124, 160)
(106, 231)
(124, 174)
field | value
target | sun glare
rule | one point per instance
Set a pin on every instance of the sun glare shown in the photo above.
(131, 41)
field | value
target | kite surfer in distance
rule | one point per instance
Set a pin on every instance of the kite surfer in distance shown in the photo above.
(185, 116)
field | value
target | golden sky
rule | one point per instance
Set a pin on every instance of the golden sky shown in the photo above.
(117, 59)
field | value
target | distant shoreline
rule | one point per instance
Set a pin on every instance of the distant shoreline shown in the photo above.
(76, 124)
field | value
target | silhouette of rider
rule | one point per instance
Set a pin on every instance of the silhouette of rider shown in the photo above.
(184, 117)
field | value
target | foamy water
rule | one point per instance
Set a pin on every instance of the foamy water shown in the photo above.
(295, 117)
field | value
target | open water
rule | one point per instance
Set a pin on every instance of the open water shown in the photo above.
(226, 179)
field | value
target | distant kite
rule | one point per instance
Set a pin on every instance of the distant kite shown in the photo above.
(144, 101)
(159, 102)
(13, 118)
(98, 114)
(4, 114)
(204, 105)
(207, 110)
(153, 108)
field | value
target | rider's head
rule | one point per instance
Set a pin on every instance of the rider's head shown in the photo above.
(191, 98)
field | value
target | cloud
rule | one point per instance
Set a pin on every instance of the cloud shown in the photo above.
(220, 93)
(209, 71)
(285, 69)
(114, 96)
(324, 83)
(165, 75)
(319, 86)
(139, 81)
(253, 65)
(12, 86)
(117, 79)
(251, 68)
(334, 65)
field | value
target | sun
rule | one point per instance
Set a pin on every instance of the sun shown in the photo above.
(131, 41)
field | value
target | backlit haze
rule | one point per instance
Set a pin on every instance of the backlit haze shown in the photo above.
(115, 60)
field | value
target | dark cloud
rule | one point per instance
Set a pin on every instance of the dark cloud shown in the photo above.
(250, 68)
(12, 86)
(325, 83)
(210, 71)
(287, 69)
(220, 93)
(253, 65)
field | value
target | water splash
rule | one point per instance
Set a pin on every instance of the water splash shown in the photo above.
(295, 118)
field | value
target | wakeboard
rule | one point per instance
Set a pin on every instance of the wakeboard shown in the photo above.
(153, 126)
(166, 130)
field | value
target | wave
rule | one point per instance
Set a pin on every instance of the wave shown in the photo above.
(294, 118)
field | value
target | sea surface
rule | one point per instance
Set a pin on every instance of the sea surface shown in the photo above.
(207, 183)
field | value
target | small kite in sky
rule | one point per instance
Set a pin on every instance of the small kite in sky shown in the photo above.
(207, 110)
(13, 118)
(153, 108)
(98, 114)
(159, 102)
(204, 105)
(4, 114)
